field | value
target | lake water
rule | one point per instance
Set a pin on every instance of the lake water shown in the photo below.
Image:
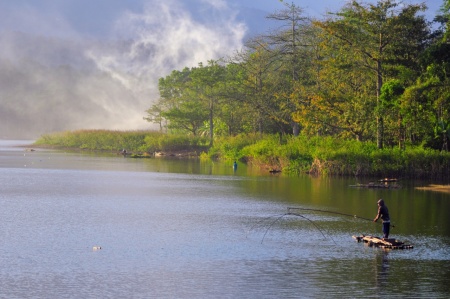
(172, 228)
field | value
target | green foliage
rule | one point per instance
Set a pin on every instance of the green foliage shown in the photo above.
(390, 92)
(333, 156)
(179, 143)
(188, 115)
(132, 141)
(263, 150)
(103, 140)
(231, 148)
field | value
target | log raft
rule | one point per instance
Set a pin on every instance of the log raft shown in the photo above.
(382, 242)
(377, 185)
(386, 183)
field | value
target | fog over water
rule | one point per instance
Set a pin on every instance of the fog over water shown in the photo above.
(83, 64)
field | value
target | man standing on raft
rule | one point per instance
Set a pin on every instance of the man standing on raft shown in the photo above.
(383, 213)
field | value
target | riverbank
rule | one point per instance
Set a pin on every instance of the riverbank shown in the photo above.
(290, 155)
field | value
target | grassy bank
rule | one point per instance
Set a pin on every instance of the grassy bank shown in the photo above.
(331, 156)
(115, 141)
(292, 155)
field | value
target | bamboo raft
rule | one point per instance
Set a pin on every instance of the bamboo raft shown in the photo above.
(386, 183)
(382, 243)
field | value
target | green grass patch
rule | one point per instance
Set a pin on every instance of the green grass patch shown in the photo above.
(132, 141)
(102, 140)
(331, 156)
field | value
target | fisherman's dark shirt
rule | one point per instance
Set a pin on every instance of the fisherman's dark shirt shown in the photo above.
(383, 213)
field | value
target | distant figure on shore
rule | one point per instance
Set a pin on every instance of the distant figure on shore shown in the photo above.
(234, 166)
(383, 213)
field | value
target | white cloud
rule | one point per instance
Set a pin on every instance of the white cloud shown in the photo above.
(165, 36)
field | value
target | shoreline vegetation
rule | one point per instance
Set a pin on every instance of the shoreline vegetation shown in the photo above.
(290, 155)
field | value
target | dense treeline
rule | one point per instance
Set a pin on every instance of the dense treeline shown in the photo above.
(369, 73)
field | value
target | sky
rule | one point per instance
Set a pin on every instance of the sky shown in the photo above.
(95, 64)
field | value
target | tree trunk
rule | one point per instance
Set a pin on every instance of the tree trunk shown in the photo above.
(295, 129)
(401, 133)
(380, 125)
(211, 122)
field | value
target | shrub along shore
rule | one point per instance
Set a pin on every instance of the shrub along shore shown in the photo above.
(290, 155)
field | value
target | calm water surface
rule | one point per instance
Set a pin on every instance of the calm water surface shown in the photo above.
(172, 228)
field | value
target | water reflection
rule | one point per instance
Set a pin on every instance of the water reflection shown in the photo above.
(382, 269)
